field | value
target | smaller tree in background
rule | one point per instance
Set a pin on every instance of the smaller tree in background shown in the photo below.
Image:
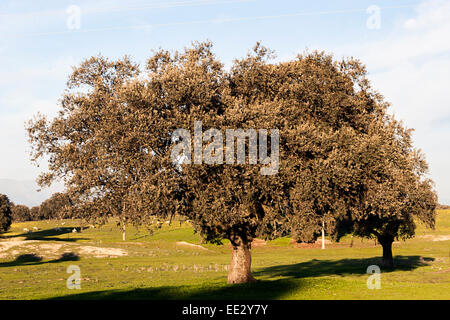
(396, 191)
(56, 207)
(35, 214)
(390, 187)
(5, 213)
(20, 213)
(394, 214)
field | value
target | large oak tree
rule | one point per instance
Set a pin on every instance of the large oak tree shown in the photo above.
(113, 139)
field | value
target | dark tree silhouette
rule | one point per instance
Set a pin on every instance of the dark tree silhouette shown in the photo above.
(20, 213)
(5, 213)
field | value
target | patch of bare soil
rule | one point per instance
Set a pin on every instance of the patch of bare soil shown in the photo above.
(99, 252)
(8, 244)
(25, 246)
(436, 238)
(184, 243)
(50, 250)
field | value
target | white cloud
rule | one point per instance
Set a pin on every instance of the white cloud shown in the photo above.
(417, 91)
(17, 165)
(419, 37)
(19, 104)
(57, 70)
(26, 191)
(430, 14)
(411, 68)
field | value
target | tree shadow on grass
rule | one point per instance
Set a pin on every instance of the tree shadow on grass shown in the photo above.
(32, 259)
(318, 268)
(294, 279)
(261, 290)
(49, 234)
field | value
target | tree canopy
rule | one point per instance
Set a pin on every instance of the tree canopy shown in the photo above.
(58, 206)
(398, 191)
(5, 213)
(113, 143)
(20, 213)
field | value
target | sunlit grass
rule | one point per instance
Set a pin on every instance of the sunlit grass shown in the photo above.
(155, 267)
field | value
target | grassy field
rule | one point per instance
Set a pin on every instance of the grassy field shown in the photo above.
(33, 265)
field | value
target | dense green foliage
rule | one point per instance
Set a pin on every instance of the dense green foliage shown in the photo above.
(343, 160)
(5, 213)
(20, 213)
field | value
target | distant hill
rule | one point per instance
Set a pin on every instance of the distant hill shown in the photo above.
(25, 191)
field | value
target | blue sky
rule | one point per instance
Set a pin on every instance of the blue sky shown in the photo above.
(407, 54)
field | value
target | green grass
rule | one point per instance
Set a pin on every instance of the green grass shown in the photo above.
(156, 268)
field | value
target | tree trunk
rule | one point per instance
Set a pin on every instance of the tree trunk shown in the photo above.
(123, 232)
(388, 260)
(240, 267)
(323, 234)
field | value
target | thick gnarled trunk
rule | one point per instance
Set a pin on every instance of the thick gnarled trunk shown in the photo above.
(240, 267)
(388, 260)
